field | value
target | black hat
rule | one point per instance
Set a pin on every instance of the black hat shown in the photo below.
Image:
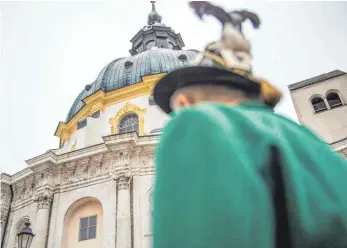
(200, 75)
(226, 62)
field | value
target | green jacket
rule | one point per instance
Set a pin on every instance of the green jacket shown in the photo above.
(246, 177)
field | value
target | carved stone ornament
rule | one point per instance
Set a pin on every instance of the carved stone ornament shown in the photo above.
(3, 218)
(123, 159)
(44, 200)
(128, 108)
(123, 181)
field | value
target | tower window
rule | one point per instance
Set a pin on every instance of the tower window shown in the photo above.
(334, 100)
(96, 114)
(318, 104)
(82, 123)
(170, 45)
(151, 100)
(129, 123)
(87, 228)
(150, 44)
(127, 64)
(182, 57)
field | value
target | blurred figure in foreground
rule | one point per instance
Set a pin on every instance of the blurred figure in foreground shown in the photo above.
(232, 173)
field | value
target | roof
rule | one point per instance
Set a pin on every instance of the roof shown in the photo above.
(317, 79)
(122, 72)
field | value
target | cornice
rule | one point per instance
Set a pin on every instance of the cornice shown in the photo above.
(5, 178)
(120, 142)
(82, 153)
(338, 146)
(100, 99)
(112, 143)
(21, 175)
(48, 157)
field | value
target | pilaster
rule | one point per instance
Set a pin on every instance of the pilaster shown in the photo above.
(123, 239)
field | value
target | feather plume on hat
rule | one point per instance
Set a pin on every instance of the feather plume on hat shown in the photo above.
(224, 62)
(233, 50)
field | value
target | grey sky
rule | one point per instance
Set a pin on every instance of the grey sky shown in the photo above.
(50, 51)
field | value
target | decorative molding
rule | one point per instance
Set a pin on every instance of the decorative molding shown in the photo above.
(44, 199)
(343, 153)
(123, 159)
(99, 100)
(117, 159)
(125, 110)
(73, 147)
(123, 181)
(3, 217)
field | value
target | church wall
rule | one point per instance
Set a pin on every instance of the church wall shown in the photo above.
(153, 118)
(146, 190)
(328, 124)
(96, 128)
(72, 226)
(18, 214)
(105, 193)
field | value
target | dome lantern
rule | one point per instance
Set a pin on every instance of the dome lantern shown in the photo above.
(153, 17)
(155, 35)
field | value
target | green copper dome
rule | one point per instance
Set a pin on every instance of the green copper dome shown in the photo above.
(126, 71)
(155, 49)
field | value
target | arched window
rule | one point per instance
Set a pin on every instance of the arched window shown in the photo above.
(83, 224)
(20, 225)
(318, 104)
(334, 100)
(129, 123)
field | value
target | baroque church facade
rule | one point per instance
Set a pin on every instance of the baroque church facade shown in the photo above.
(96, 189)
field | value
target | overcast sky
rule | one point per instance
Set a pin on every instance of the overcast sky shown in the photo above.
(50, 51)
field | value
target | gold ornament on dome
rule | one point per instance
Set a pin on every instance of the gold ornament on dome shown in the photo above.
(100, 100)
(128, 108)
(73, 147)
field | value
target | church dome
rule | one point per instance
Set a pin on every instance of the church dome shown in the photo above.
(120, 99)
(122, 72)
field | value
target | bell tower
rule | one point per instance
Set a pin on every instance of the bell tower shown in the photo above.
(320, 103)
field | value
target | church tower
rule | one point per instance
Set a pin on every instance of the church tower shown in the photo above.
(320, 104)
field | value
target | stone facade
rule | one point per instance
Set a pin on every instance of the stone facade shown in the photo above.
(330, 124)
(119, 173)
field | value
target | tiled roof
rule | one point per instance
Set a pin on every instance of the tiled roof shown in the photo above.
(316, 79)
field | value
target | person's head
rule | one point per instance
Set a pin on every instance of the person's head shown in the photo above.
(189, 96)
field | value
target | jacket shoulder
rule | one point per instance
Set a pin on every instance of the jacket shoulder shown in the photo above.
(200, 116)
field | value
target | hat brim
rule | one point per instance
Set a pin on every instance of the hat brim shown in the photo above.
(199, 75)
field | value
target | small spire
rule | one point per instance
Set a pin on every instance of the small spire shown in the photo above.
(153, 4)
(153, 17)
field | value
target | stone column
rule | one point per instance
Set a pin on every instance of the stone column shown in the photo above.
(41, 221)
(5, 203)
(123, 212)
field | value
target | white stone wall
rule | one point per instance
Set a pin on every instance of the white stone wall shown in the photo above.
(331, 125)
(28, 211)
(104, 192)
(96, 128)
(146, 190)
(118, 173)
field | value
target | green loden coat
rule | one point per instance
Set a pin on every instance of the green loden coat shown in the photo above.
(245, 177)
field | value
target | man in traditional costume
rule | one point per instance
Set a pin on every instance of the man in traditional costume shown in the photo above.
(231, 172)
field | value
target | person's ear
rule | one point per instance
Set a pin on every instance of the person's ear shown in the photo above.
(180, 101)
